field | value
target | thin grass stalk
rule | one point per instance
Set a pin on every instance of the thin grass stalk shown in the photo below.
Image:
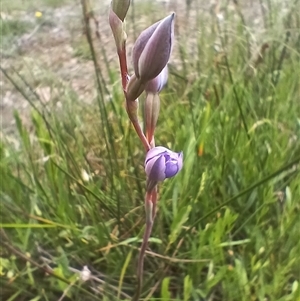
(104, 117)
(232, 82)
(239, 11)
(86, 12)
(105, 58)
(79, 183)
(49, 127)
(19, 89)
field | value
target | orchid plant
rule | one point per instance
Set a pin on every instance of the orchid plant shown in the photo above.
(150, 56)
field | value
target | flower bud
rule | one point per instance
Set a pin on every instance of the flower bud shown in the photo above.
(152, 104)
(152, 49)
(156, 84)
(134, 88)
(117, 29)
(162, 163)
(120, 8)
(140, 44)
(132, 108)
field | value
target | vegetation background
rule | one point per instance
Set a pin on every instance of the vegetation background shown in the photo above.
(72, 178)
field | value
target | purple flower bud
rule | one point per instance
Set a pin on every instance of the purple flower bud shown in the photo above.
(152, 104)
(156, 84)
(162, 163)
(134, 88)
(140, 44)
(152, 49)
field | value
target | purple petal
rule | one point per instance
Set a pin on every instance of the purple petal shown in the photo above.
(153, 152)
(173, 165)
(156, 84)
(155, 169)
(134, 88)
(156, 53)
(140, 44)
(171, 169)
(162, 163)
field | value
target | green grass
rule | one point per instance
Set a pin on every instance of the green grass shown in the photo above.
(18, 18)
(82, 49)
(228, 225)
(14, 27)
(10, 29)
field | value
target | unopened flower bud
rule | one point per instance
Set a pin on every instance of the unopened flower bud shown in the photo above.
(152, 105)
(120, 8)
(160, 164)
(117, 29)
(134, 88)
(132, 108)
(156, 84)
(152, 49)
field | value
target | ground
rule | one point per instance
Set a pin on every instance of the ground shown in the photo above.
(51, 48)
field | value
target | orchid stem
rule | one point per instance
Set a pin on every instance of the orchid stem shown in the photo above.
(123, 66)
(154, 200)
(125, 77)
(132, 108)
(150, 208)
(141, 135)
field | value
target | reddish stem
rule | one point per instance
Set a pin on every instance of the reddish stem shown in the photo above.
(125, 78)
(141, 135)
(123, 66)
